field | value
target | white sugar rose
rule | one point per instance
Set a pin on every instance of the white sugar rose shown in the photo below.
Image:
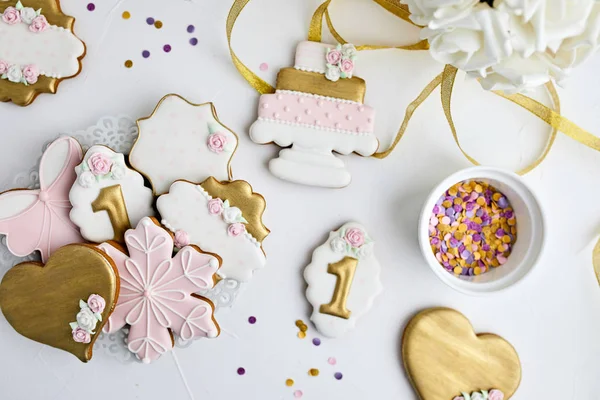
(14, 74)
(118, 172)
(437, 14)
(86, 319)
(333, 74)
(476, 396)
(232, 215)
(338, 245)
(86, 179)
(364, 251)
(28, 14)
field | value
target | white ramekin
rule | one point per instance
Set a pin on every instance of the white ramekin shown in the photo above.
(526, 251)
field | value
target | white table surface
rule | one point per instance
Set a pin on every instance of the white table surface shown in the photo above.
(552, 317)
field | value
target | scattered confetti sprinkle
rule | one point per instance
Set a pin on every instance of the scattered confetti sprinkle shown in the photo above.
(299, 323)
(472, 228)
(150, 21)
(158, 24)
(252, 320)
(289, 382)
(331, 360)
(298, 394)
(241, 371)
(91, 7)
(145, 54)
(264, 66)
(301, 335)
(167, 48)
(313, 372)
(338, 375)
(191, 28)
(316, 341)
(128, 64)
(126, 15)
(194, 41)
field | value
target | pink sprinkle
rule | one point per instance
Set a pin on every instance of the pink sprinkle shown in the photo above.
(331, 360)
(264, 66)
(298, 394)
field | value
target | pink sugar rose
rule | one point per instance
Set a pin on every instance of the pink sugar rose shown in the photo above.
(458, 398)
(355, 237)
(99, 164)
(347, 66)
(96, 303)
(182, 239)
(11, 16)
(3, 67)
(334, 56)
(216, 142)
(39, 24)
(31, 74)
(495, 394)
(236, 229)
(81, 335)
(215, 206)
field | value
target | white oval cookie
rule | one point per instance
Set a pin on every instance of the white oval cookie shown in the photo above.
(343, 280)
(108, 197)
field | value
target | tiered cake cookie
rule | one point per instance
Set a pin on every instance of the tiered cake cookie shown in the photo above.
(318, 108)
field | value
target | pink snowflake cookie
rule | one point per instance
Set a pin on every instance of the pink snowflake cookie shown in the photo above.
(157, 291)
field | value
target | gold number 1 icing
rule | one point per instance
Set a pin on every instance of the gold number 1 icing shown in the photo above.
(343, 280)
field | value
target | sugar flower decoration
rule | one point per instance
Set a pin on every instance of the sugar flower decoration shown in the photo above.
(493, 394)
(27, 15)
(340, 62)
(90, 313)
(354, 242)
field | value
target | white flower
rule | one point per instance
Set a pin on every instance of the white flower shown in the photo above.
(86, 179)
(349, 50)
(577, 49)
(476, 396)
(232, 215)
(86, 319)
(333, 73)
(338, 245)
(28, 14)
(118, 172)
(14, 74)
(439, 13)
(365, 250)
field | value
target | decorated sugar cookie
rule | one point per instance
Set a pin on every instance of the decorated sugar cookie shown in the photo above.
(446, 360)
(64, 303)
(317, 108)
(108, 197)
(38, 49)
(221, 217)
(38, 219)
(181, 140)
(157, 289)
(343, 280)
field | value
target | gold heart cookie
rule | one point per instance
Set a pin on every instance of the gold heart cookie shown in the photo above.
(40, 302)
(444, 357)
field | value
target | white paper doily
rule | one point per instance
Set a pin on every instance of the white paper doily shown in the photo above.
(118, 133)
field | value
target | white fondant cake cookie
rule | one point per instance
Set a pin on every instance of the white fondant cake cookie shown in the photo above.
(108, 197)
(220, 217)
(343, 280)
(181, 140)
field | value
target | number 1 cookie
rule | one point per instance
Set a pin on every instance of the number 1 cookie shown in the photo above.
(343, 280)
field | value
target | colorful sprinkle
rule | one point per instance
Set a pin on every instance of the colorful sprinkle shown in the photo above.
(298, 394)
(194, 41)
(301, 335)
(472, 228)
(264, 66)
(331, 361)
(167, 48)
(91, 7)
(126, 15)
(128, 64)
(145, 54)
(252, 320)
(289, 382)
(313, 372)
(158, 24)
(299, 323)
(316, 341)
(150, 21)
(241, 371)
(338, 375)
(191, 28)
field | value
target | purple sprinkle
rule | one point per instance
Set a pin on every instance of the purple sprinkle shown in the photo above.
(453, 243)
(436, 209)
(435, 241)
(509, 214)
(338, 375)
(193, 41)
(191, 28)
(145, 54)
(252, 320)
(167, 48)
(449, 211)
(150, 21)
(479, 212)
(317, 341)
(457, 208)
(465, 254)
(477, 237)
(503, 203)
(470, 206)
(500, 233)
(485, 247)
(91, 7)
(241, 371)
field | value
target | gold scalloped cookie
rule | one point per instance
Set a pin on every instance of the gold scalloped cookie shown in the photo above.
(38, 49)
(443, 357)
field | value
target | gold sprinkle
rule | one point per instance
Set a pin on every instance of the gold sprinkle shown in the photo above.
(158, 24)
(128, 64)
(303, 328)
(313, 372)
(126, 15)
(301, 335)
(289, 382)
(299, 323)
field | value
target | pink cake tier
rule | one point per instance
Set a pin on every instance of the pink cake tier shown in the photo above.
(318, 112)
